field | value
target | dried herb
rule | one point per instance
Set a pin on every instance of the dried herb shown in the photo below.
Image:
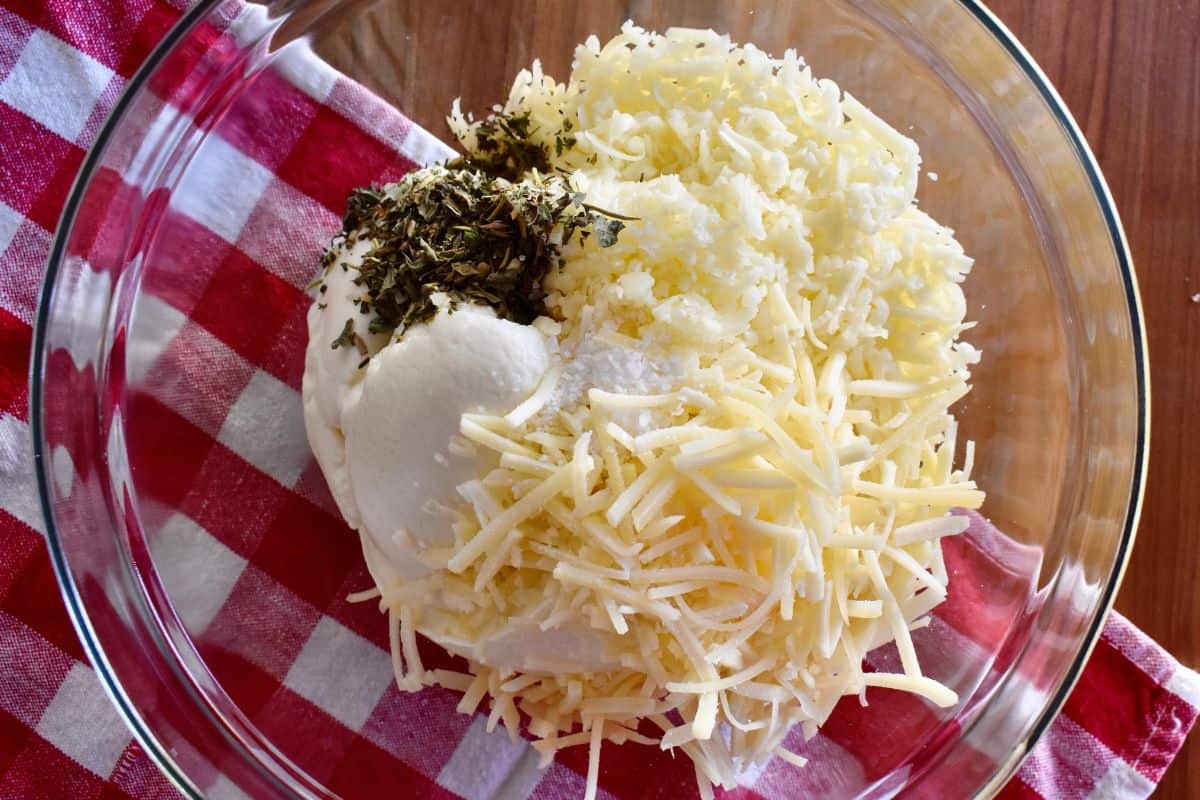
(346, 337)
(504, 148)
(474, 237)
(563, 140)
(484, 228)
(607, 230)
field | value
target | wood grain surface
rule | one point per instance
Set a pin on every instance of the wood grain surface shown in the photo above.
(1130, 72)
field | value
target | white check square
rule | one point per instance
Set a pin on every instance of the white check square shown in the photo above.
(341, 672)
(305, 70)
(225, 789)
(839, 773)
(83, 723)
(265, 426)
(78, 80)
(10, 221)
(1184, 683)
(1122, 780)
(221, 188)
(155, 324)
(487, 766)
(16, 473)
(197, 571)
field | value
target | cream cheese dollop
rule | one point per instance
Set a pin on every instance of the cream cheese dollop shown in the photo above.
(382, 436)
(399, 425)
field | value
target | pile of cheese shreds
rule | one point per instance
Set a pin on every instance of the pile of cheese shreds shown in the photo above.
(748, 535)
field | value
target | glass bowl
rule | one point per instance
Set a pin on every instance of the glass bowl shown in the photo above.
(198, 550)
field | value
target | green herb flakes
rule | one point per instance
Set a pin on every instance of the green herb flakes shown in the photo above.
(474, 237)
(484, 228)
(346, 337)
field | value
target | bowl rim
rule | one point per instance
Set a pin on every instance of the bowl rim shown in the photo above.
(976, 8)
(1133, 300)
(109, 681)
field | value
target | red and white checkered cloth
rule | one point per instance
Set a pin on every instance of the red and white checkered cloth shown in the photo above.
(63, 63)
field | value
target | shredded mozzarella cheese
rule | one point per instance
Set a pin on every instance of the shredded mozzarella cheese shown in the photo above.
(778, 509)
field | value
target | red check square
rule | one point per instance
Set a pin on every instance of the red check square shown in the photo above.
(219, 503)
(270, 115)
(244, 306)
(304, 732)
(47, 205)
(42, 611)
(309, 551)
(248, 685)
(150, 29)
(32, 158)
(15, 340)
(184, 256)
(99, 233)
(102, 31)
(166, 451)
(41, 771)
(333, 156)
(366, 772)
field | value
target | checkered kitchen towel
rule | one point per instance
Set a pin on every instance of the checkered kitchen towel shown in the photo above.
(63, 63)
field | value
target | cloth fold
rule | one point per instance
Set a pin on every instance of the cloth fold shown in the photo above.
(62, 66)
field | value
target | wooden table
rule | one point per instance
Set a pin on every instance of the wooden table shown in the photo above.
(1130, 72)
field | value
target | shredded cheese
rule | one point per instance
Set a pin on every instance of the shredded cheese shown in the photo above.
(739, 540)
